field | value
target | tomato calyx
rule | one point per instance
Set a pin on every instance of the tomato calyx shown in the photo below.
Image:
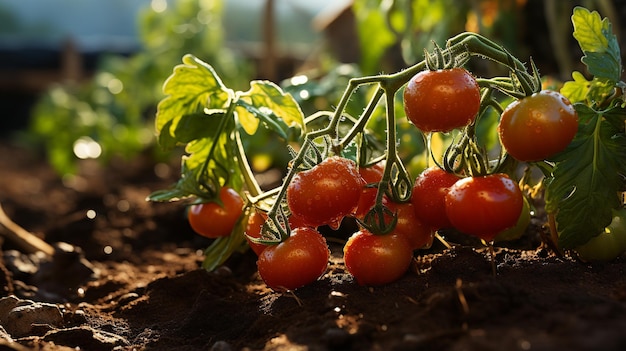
(379, 220)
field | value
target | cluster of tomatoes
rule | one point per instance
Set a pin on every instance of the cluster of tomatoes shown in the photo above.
(530, 129)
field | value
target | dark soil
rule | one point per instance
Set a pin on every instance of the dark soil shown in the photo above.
(140, 285)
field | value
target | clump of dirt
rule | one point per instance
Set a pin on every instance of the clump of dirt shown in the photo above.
(144, 288)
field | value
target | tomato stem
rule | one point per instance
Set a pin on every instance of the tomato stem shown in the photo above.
(251, 183)
(363, 119)
(214, 188)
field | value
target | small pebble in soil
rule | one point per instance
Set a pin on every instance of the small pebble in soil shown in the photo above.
(221, 346)
(27, 316)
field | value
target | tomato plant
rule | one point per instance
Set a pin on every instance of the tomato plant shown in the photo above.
(538, 126)
(326, 193)
(473, 186)
(442, 100)
(295, 262)
(217, 218)
(429, 191)
(484, 206)
(377, 259)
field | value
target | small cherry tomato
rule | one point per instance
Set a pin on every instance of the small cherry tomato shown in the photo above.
(377, 259)
(484, 206)
(326, 193)
(214, 220)
(372, 175)
(428, 194)
(442, 100)
(295, 262)
(253, 230)
(417, 234)
(538, 126)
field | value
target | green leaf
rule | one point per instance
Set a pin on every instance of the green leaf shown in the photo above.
(600, 90)
(222, 248)
(617, 117)
(197, 125)
(595, 91)
(583, 189)
(598, 43)
(576, 90)
(192, 87)
(266, 102)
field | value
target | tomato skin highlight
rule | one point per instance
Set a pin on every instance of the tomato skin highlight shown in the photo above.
(326, 193)
(377, 259)
(213, 220)
(484, 206)
(429, 191)
(538, 126)
(442, 100)
(295, 262)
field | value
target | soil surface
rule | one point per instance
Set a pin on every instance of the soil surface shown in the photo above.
(129, 277)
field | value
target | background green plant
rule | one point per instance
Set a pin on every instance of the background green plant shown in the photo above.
(116, 107)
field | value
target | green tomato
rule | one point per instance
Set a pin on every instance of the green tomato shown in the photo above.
(609, 244)
(518, 230)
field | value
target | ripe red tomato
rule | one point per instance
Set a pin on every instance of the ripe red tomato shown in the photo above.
(516, 231)
(538, 126)
(326, 193)
(484, 206)
(253, 229)
(212, 220)
(428, 194)
(296, 262)
(371, 175)
(417, 234)
(442, 100)
(376, 259)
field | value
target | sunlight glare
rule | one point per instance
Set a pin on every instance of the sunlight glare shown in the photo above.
(85, 148)
(158, 6)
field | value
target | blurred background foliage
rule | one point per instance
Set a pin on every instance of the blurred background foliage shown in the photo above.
(311, 50)
(112, 114)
